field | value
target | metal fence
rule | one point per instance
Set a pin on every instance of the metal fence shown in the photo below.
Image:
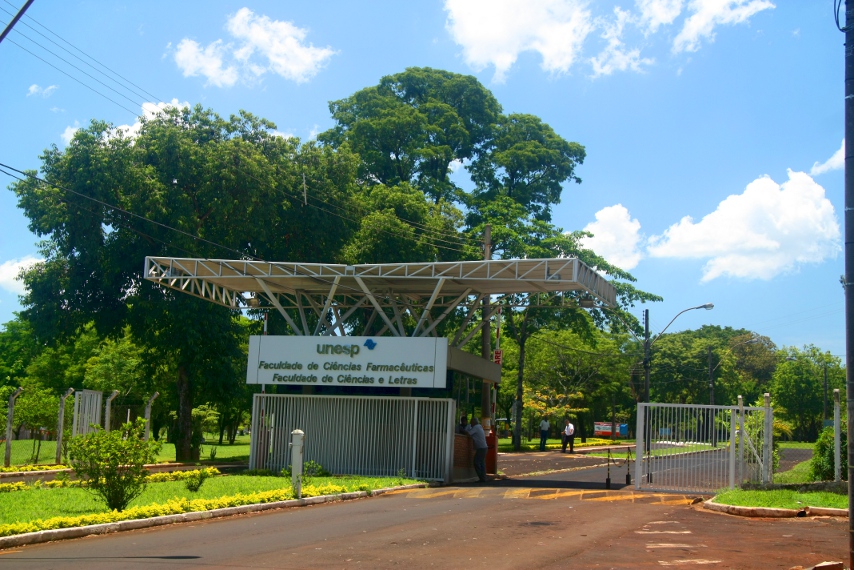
(39, 424)
(702, 449)
(360, 435)
(87, 411)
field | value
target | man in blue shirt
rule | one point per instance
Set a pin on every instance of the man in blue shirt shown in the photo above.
(478, 438)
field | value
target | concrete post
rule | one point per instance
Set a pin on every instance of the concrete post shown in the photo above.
(107, 409)
(837, 439)
(767, 443)
(60, 427)
(9, 416)
(148, 415)
(297, 437)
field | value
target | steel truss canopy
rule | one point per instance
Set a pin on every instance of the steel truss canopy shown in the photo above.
(409, 299)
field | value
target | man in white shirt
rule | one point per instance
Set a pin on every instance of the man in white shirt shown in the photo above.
(544, 433)
(478, 438)
(568, 437)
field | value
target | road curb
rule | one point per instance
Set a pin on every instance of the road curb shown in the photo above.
(135, 524)
(768, 512)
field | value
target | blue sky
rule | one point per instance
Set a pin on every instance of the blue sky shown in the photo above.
(713, 128)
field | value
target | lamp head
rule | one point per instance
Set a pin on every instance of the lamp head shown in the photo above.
(708, 306)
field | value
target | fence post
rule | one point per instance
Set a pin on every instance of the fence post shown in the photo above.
(767, 444)
(296, 461)
(639, 443)
(837, 438)
(740, 441)
(9, 416)
(107, 410)
(148, 415)
(733, 439)
(61, 425)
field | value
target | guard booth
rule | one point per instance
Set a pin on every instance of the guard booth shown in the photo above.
(374, 394)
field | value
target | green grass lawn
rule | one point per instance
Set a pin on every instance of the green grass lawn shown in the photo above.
(505, 444)
(227, 452)
(782, 499)
(25, 506)
(800, 473)
(796, 445)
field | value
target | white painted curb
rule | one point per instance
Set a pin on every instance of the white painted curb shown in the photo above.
(767, 512)
(107, 528)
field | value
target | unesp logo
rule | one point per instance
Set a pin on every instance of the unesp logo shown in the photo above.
(370, 344)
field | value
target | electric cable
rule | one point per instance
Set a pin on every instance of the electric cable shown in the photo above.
(81, 51)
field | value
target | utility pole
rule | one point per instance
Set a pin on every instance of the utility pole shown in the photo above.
(486, 338)
(849, 257)
(15, 20)
(825, 392)
(711, 379)
(646, 362)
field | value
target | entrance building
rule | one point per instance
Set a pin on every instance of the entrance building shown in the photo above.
(376, 383)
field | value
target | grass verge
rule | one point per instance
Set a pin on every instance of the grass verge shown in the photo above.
(800, 473)
(505, 444)
(782, 499)
(45, 508)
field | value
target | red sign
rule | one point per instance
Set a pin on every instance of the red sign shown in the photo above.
(498, 356)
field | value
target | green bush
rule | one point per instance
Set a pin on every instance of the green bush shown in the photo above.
(112, 464)
(822, 463)
(194, 480)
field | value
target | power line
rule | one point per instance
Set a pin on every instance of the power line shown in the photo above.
(74, 78)
(30, 18)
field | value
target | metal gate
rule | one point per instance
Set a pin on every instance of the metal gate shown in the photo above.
(702, 449)
(87, 411)
(359, 435)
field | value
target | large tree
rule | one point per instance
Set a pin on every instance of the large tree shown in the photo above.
(413, 125)
(191, 184)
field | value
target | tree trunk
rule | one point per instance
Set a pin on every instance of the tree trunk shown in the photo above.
(520, 337)
(183, 439)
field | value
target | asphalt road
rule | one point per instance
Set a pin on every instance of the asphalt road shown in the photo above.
(560, 520)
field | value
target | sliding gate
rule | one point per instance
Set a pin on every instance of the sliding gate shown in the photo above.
(359, 435)
(702, 449)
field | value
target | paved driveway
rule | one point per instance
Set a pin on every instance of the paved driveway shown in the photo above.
(550, 521)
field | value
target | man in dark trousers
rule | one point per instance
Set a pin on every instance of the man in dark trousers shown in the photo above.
(568, 436)
(478, 438)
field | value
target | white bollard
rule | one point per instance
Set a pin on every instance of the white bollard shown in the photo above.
(297, 437)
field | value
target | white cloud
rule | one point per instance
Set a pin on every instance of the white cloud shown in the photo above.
(149, 111)
(261, 46)
(767, 230)
(656, 13)
(208, 62)
(281, 44)
(495, 32)
(708, 14)
(9, 271)
(616, 237)
(68, 133)
(615, 57)
(41, 92)
(835, 162)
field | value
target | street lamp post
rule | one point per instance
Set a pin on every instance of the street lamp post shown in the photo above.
(647, 344)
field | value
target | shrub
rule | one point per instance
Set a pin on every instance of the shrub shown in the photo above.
(194, 480)
(112, 464)
(822, 464)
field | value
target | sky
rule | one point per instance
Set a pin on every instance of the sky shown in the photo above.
(713, 128)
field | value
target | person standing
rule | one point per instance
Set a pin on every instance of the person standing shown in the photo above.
(544, 433)
(568, 436)
(478, 438)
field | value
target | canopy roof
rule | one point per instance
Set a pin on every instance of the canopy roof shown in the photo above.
(410, 299)
(226, 282)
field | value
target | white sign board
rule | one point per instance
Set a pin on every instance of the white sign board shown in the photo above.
(363, 361)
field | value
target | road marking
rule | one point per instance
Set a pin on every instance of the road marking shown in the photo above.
(546, 495)
(697, 562)
(663, 531)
